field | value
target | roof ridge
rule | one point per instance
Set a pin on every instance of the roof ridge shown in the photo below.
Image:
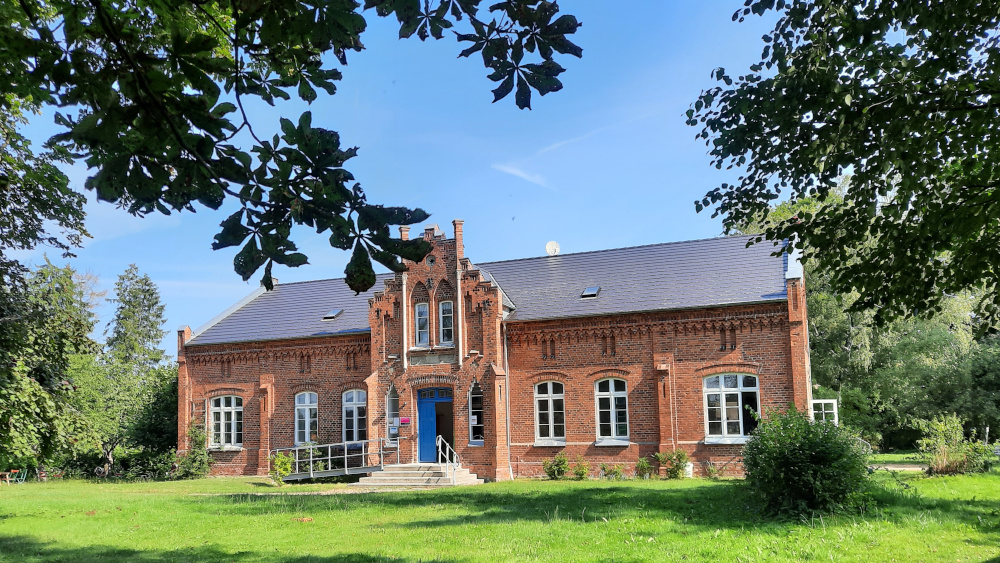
(326, 280)
(624, 248)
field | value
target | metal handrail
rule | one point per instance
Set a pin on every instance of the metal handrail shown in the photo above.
(318, 458)
(451, 468)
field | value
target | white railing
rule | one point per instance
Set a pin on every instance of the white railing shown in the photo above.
(342, 458)
(450, 457)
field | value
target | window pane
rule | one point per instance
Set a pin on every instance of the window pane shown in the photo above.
(557, 388)
(729, 381)
(733, 428)
(750, 406)
(477, 402)
(712, 382)
(749, 381)
(300, 399)
(619, 385)
(605, 430)
(349, 397)
(604, 386)
(239, 401)
(559, 431)
(543, 388)
(557, 408)
(715, 429)
(713, 400)
(217, 402)
(621, 403)
(714, 415)
(361, 396)
(604, 403)
(227, 401)
(422, 323)
(622, 430)
(605, 417)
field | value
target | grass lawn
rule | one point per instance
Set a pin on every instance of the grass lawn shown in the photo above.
(937, 519)
(898, 456)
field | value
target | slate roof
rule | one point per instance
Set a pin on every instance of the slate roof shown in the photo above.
(656, 277)
(294, 310)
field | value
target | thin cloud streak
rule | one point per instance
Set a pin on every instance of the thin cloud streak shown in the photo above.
(536, 179)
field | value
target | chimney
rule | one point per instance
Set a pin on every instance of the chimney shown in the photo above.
(459, 247)
(404, 232)
(183, 335)
(431, 232)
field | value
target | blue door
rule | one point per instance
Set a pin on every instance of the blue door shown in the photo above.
(427, 421)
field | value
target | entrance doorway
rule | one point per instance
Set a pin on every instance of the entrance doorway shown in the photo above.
(435, 417)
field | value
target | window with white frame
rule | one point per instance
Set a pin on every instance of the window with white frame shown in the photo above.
(825, 410)
(550, 413)
(446, 323)
(355, 415)
(612, 411)
(306, 418)
(392, 416)
(422, 320)
(731, 401)
(477, 426)
(227, 421)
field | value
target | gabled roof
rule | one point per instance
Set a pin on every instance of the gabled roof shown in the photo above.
(656, 277)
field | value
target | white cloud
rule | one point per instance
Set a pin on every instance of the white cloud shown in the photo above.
(513, 170)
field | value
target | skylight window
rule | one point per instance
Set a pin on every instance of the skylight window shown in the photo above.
(590, 292)
(333, 314)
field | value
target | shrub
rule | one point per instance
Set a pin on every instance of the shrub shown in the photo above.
(582, 468)
(281, 467)
(946, 451)
(613, 472)
(795, 466)
(556, 467)
(196, 462)
(643, 469)
(675, 463)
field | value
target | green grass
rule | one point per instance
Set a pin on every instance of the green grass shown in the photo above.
(899, 456)
(936, 519)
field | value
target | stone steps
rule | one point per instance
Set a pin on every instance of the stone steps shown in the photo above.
(418, 475)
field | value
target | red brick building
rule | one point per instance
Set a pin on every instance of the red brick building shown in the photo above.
(610, 355)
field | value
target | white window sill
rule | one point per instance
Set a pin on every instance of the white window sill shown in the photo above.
(612, 442)
(726, 439)
(549, 443)
(225, 448)
(420, 349)
(476, 443)
(445, 346)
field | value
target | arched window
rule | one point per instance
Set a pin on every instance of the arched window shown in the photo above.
(550, 414)
(612, 412)
(730, 403)
(421, 319)
(446, 323)
(355, 415)
(392, 416)
(227, 421)
(477, 426)
(306, 419)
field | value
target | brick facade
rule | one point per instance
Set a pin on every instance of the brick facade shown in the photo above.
(663, 357)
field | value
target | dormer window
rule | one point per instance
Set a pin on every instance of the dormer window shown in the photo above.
(590, 292)
(422, 320)
(332, 314)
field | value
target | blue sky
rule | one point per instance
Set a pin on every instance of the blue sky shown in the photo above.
(606, 162)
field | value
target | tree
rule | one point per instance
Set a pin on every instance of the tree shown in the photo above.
(46, 319)
(903, 95)
(117, 389)
(135, 332)
(160, 86)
